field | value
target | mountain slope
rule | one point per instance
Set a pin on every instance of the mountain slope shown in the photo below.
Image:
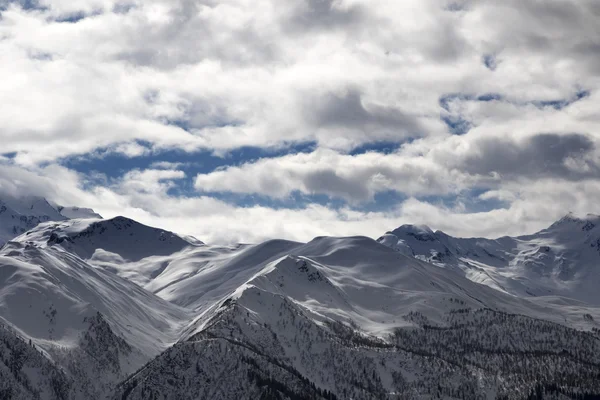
(48, 292)
(25, 373)
(97, 326)
(561, 260)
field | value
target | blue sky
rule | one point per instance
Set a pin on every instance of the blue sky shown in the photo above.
(114, 165)
(234, 121)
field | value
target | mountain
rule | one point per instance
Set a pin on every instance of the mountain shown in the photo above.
(20, 214)
(348, 318)
(94, 308)
(116, 237)
(561, 260)
(96, 325)
(26, 373)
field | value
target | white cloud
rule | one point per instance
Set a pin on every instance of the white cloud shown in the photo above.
(142, 195)
(354, 178)
(136, 78)
(423, 168)
(166, 165)
(238, 73)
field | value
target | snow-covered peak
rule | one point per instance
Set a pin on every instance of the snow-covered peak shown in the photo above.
(561, 259)
(19, 214)
(420, 232)
(392, 241)
(35, 206)
(120, 236)
(573, 222)
(78, 212)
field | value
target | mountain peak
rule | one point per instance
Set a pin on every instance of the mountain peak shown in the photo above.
(587, 222)
(18, 214)
(419, 232)
(119, 235)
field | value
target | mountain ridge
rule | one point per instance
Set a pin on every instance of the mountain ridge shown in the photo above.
(560, 259)
(337, 317)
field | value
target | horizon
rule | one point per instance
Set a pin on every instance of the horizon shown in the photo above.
(59, 207)
(237, 122)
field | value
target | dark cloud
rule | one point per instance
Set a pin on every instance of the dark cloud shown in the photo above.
(123, 8)
(329, 182)
(24, 4)
(545, 155)
(490, 62)
(193, 36)
(553, 13)
(323, 14)
(456, 6)
(76, 16)
(349, 111)
(447, 44)
(557, 30)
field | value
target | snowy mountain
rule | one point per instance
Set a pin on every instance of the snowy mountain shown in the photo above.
(348, 318)
(93, 308)
(20, 214)
(562, 260)
(118, 237)
(96, 325)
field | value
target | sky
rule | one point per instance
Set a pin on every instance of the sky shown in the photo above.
(240, 121)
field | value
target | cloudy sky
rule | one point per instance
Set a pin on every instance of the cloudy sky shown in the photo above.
(241, 120)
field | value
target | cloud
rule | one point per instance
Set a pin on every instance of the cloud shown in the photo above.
(354, 178)
(325, 15)
(486, 102)
(165, 165)
(569, 156)
(446, 167)
(348, 115)
(222, 75)
(143, 195)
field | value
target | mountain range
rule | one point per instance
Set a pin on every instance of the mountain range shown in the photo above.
(113, 309)
(562, 260)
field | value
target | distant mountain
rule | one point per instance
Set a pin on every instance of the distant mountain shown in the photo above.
(20, 214)
(116, 237)
(562, 260)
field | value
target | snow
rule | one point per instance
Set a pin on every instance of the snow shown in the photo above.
(46, 293)
(558, 261)
(20, 214)
(127, 238)
(155, 289)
